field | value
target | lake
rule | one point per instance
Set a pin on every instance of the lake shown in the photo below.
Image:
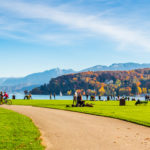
(47, 97)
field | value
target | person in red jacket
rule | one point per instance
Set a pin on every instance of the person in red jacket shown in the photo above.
(5, 96)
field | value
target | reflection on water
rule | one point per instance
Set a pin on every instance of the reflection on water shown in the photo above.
(47, 97)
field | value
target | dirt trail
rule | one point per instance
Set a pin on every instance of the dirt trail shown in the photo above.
(64, 130)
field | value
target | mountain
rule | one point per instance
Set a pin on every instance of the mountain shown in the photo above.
(32, 80)
(2, 80)
(117, 67)
(37, 79)
(106, 82)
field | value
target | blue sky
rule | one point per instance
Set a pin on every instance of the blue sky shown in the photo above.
(39, 35)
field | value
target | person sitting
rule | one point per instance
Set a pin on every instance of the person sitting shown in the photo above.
(79, 101)
(25, 97)
(92, 98)
(30, 96)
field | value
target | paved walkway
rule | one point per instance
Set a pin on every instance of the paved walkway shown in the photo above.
(64, 130)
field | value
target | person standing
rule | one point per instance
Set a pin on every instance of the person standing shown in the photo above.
(99, 97)
(54, 96)
(74, 99)
(50, 96)
(13, 96)
(87, 97)
(1, 97)
(108, 98)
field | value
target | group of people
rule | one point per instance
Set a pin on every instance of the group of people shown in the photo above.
(77, 100)
(28, 96)
(93, 97)
(3, 96)
(52, 95)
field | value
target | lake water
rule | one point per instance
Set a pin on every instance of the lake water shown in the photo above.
(47, 97)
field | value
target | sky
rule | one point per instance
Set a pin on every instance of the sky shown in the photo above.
(40, 35)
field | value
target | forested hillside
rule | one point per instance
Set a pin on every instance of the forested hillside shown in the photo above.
(101, 82)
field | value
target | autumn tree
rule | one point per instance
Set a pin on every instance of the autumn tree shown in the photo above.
(69, 92)
(139, 90)
(118, 82)
(102, 91)
(144, 90)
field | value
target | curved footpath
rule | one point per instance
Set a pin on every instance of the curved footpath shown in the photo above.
(65, 130)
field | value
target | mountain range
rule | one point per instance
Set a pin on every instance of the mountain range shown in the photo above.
(31, 81)
(37, 79)
(118, 67)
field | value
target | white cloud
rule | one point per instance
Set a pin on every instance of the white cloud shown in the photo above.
(82, 22)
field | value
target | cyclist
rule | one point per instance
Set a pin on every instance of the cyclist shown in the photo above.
(5, 96)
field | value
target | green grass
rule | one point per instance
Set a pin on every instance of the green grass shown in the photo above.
(17, 132)
(130, 112)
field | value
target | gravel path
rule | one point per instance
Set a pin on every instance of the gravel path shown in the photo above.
(64, 130)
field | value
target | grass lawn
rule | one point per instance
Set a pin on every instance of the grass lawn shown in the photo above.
(17, 132)
(130, 112)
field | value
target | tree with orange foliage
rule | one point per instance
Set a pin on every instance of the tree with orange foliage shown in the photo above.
(75, 79)
(87, 79)
(144, 90)
(139, 90)
(138, 83)
(69, 92)
(102, 91)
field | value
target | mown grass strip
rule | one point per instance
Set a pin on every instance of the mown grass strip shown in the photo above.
(130, 112)
(17, 132)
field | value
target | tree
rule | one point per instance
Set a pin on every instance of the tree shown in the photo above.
(139, 90)
(102, 91)
(118, 82)
(69, 92)
(144, 90)
(134, 89)
(125, 91)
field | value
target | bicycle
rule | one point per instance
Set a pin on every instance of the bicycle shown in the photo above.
(6, 101)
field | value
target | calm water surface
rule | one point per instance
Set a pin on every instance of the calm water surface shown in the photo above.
(47, 97)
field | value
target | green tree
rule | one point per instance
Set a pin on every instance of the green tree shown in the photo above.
(134, 89)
